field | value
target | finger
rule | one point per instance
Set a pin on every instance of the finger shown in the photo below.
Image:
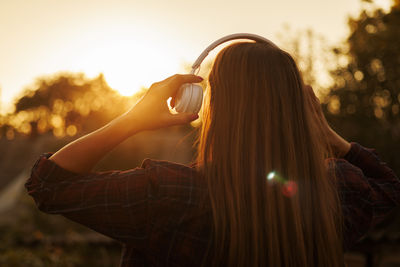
(310, 92)
(178, 80)
(308, 87)
(308, 95)
(169, 87)
(182, 118)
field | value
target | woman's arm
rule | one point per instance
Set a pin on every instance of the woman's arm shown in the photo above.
(150, 113)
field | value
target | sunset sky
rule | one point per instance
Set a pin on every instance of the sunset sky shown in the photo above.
(135, 43)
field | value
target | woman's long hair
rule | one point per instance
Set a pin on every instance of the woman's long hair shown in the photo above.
(262, 155)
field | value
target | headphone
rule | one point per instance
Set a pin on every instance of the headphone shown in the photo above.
(190, 96)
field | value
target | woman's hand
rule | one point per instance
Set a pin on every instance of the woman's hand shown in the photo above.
(151, 112)
(339, 145)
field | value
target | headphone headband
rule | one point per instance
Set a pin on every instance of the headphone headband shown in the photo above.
(190, 96)
(227, 38)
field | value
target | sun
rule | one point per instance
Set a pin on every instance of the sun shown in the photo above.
(131, 66)
(130, 63)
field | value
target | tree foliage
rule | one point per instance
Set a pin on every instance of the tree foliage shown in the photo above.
(311, 52)
(64, 104)
(364, 102)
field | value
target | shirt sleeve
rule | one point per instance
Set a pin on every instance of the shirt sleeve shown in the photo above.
(114, 203)
(369, 191)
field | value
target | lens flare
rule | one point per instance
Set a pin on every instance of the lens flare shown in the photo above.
(271, 175)
(289, 189)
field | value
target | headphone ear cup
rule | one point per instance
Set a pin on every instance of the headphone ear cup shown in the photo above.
(181, 99)
(197, 98)
(189, 98)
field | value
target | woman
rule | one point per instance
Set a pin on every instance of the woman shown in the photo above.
(262, 192)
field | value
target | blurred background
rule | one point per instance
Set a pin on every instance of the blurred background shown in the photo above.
(69, 67)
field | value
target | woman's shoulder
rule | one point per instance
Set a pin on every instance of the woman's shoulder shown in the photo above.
(173, 174)
(369, 190)
(168, 167)
(360, 168)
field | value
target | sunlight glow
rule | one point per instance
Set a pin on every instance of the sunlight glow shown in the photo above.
(135, 43)
(384, 4)
(129, 65)
(130, 57)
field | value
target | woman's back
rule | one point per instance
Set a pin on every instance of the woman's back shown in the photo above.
(258, 124)
(180, 223)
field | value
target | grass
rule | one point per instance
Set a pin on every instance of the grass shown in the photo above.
(32, 238)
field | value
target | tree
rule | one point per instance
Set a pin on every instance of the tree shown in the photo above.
(364, 102)
(311, 52)
(64, 104)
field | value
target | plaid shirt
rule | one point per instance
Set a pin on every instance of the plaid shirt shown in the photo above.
(155, 210)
